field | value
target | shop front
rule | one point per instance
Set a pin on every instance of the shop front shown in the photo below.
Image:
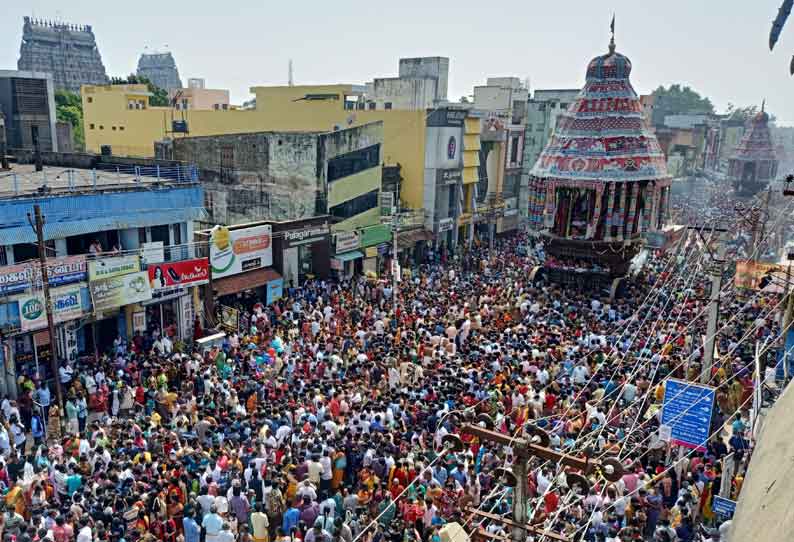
(173, 291)
(347, 258)
(376, 242)
(301, 250)
(243, 291)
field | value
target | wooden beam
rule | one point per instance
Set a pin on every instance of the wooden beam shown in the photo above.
(511, 523)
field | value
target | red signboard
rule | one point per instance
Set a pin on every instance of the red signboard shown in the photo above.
(184, 273)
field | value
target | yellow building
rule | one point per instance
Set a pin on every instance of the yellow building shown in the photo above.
(119, 116)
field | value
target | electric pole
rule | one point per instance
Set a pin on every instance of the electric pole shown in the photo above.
(715, 271)
(38, 226)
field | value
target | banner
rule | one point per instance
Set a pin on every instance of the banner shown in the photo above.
(229, 318)
(119, 291)
(106, 268)
(232, 252)
(275, 291)
(18, 278)
(769, 277)
(66, 305)
(184, 273)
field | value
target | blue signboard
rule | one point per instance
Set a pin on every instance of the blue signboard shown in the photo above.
(687, 410)
(723, 507)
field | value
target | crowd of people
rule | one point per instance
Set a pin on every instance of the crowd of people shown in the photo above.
(327, 419)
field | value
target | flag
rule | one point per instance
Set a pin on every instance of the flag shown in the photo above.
(612, 25)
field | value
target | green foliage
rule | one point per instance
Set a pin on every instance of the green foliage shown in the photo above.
(744, 113)
(681, 100)
(159, 97)
(69, 108)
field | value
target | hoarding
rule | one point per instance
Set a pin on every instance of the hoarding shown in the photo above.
(687, 410)
(233, 252)
(184, 273)
(122, 290)
(66, 305)
(18, 278)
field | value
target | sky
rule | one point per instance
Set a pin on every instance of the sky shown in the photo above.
(718, 47)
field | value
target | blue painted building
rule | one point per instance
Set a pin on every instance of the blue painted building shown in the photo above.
(87, 213)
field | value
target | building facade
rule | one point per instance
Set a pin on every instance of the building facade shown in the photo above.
(420, 84)
(99, 263)
(27, 101)
(199, 98)
(66, 51)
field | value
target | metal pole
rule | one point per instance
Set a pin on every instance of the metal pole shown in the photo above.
(395, 263)
(39, 228)
(520, 498)
(16, 183)
(714, 313)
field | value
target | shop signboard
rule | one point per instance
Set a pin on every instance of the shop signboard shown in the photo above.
(153, 252)
(375, 235)
(121, 290)
(306, 236)
(769, 277)
(275, 290)
(723, 507)
(445, 224)
(446, 117)
(18, 278)
(347, 241)
(66, 305)
(173, 274)
(105, 268)
(235, 251)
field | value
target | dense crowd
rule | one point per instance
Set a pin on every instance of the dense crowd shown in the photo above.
(326, 419)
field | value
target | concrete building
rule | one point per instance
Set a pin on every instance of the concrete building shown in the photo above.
(27, 100)
(66, 51)
(421, 84)
(288, 176)
(160, 69)
(144, 209)
(199, 98)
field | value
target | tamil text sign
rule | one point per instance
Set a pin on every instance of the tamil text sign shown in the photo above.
(106, 268)
(121, 290)
(18, 278)
(687, 410)
(347, 241)
(184, 273)
(235, 251)
(66, 305)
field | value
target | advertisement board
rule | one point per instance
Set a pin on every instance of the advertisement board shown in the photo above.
(275, 290)
(66, 305)
(105, 268)
(113, 292)
(153, 252)
(233, 252)
(18, 278)
(184, 273)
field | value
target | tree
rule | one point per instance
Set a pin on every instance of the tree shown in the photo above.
(159, 97)
(677, 100)
(69, 108)
(744, 113)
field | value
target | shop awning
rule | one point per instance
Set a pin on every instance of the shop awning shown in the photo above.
(347, 256)
(244, 281)
(407, 239)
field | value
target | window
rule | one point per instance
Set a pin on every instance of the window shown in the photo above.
(514, 151)
(91, 126)
(89, 100)
(353, 162)
(372, 106)
(387, 105)
(121, 128)
(30, 251)
(141, 236)
(3, 255)
(529, 127)
(225, 107)
(563, 105)
(355, 206)
(113, 128)
(215, 107)
(101, 127)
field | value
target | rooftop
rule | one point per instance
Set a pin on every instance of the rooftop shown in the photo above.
(23, 179)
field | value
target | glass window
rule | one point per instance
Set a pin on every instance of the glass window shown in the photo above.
(355, 206)
(353, 162)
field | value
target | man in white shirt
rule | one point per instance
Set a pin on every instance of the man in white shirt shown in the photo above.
(85, 534)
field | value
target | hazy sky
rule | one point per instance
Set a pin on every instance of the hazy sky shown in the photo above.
(719, 47)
